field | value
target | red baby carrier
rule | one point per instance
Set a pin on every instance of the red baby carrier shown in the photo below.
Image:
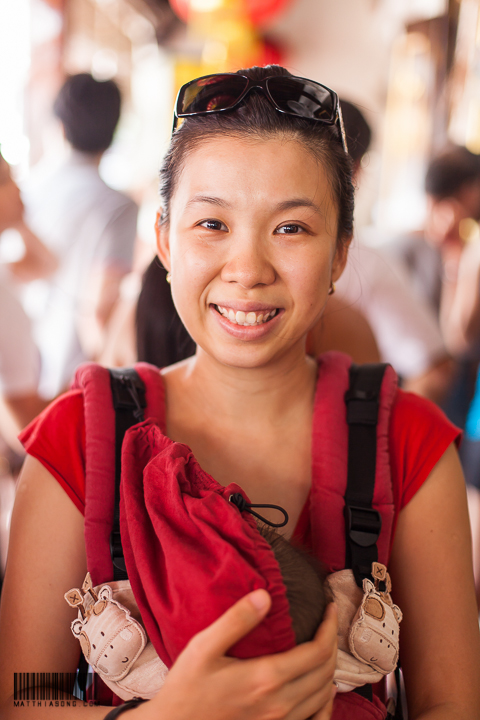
(350, 510)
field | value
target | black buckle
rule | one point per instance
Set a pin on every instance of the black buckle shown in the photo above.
(362, 407)
(363, 525)
(127, 393)
(116, 551)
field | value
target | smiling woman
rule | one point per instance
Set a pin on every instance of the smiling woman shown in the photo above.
(260, 242)
(254, 228)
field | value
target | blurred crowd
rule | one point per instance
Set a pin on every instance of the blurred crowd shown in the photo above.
(412, 301)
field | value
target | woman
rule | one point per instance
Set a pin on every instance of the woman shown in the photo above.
(254, 229)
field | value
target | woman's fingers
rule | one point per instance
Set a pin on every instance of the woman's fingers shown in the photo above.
(311, 683)
(318, 706)
(322, 650)
(329, 623)
(233, 625)
(325, 713)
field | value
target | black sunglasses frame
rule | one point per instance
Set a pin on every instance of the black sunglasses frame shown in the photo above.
(336, 118)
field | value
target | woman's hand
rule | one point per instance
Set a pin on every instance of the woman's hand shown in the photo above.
(205, 684)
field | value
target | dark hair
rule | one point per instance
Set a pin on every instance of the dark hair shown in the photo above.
(450, 170)
(161, 336)
(304, 580)
(89, 110)
(256, 118)
(357, 130)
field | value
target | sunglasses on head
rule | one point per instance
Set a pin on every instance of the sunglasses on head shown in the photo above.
(288, 94)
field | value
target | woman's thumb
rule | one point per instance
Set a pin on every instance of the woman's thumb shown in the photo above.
(234, 624)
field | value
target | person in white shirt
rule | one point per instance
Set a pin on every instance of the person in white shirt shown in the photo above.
(19, 356)
(405, 327)
(90, 227)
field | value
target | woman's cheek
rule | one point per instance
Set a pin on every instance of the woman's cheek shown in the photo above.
(309, 281)
(190, 281)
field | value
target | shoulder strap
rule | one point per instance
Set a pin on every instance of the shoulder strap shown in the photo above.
(362, 523)
(128, 395)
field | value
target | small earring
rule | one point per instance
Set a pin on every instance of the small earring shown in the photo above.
(332, 288)
(169, 277)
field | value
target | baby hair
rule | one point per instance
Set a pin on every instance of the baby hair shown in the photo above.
(304, 580)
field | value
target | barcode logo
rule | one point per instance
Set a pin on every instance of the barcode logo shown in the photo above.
(43, 686)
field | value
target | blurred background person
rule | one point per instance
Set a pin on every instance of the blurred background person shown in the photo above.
(404, 327)
(90, 227)
(19, 356)
(431, 254)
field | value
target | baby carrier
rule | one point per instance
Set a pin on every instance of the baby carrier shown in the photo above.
(350, 506)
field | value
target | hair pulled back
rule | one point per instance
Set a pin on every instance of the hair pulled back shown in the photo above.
(256, 119)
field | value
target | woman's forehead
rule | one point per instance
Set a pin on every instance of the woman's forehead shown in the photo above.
(274, 169)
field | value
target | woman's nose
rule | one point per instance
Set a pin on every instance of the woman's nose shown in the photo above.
(248, 264)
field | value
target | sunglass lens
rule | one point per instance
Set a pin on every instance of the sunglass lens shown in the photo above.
(301, 97)
(214, 92)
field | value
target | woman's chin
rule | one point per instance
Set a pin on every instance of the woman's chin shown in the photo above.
(252, 356)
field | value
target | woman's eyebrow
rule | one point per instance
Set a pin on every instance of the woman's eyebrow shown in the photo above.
(297, 203)
(300, 202)
(207, 199)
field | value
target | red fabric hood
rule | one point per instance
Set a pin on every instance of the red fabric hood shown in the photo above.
(190, 553)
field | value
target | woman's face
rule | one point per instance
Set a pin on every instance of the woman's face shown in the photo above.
(251, 246)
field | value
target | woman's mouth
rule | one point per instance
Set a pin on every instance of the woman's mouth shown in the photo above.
(247, 319)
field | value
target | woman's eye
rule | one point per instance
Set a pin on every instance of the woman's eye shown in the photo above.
(290, 229)
(213, 225)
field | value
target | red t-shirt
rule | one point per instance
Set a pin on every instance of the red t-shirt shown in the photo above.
(419, 434)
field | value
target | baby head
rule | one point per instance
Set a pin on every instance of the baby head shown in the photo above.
(307, 593)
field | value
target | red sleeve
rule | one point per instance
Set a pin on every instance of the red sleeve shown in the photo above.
(419, 435)
(57, 439)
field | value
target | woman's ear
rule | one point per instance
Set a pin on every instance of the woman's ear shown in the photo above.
(163, 242)
(341, 257)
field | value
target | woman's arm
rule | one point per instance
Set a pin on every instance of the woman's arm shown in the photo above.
(431, 568)
(38, 260)
(47, 558)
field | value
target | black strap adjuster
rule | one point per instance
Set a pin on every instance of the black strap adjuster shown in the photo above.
(116, 551)
(363, 525)
(129, 401)
(362, 407)
(128, 392)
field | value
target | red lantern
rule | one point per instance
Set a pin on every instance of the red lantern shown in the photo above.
(261, 11)
(271, 54)
(181, 8)
(258, 11)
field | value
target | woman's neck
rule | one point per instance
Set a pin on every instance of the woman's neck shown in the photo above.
(264, 394)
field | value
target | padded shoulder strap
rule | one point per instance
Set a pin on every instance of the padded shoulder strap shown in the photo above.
(100, 421)
(363, 523)
(324, 531)
(128, 395)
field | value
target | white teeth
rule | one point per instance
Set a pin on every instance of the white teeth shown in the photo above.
(246, 319)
